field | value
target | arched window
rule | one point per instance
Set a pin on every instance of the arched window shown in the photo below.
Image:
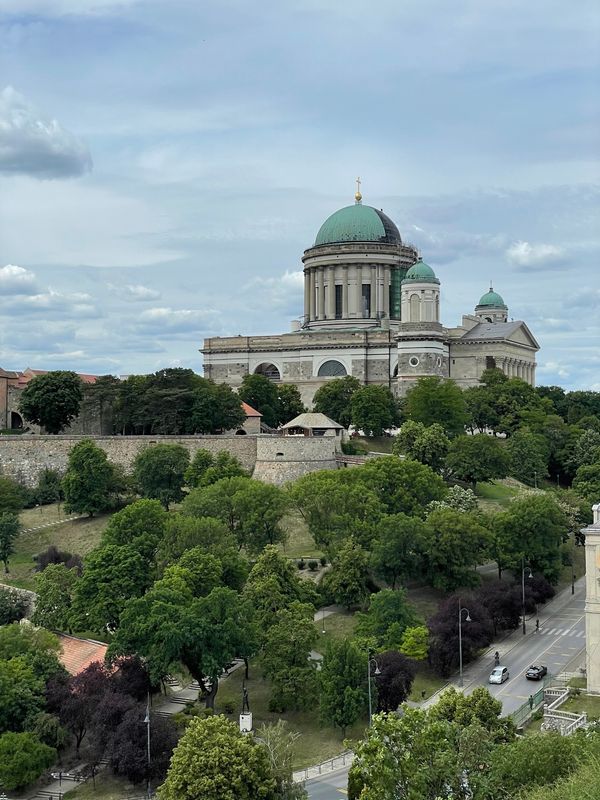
(415, 308)
(332, 369)
(270, 371)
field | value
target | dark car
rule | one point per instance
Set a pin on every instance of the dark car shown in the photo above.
(536, 673)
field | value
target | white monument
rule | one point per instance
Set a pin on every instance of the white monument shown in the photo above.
(592, 601)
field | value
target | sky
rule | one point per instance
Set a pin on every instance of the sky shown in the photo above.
(165, 163)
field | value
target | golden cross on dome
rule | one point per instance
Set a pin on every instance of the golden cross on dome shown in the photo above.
(358, 195)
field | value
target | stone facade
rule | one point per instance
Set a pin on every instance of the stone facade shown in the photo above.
(592, 601)
(280, 459)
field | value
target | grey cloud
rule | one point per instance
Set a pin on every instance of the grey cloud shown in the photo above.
(77, 304)
(170, 321)
(17, 280)
(537, 256)
(134, 292)
(33, 145)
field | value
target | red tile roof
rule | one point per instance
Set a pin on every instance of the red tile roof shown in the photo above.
(77, 654)
(29, 373)
(249, 411)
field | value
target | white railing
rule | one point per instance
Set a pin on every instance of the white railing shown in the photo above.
(344, 759)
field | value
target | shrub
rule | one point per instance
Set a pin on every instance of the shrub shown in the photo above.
(12, 606)
(312, 565)
(228, 707)
(323, 561)
(55, 556)
(301, 564)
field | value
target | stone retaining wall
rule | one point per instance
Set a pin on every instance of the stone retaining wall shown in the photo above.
(280, 459)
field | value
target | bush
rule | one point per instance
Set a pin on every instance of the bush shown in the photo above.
(12, 606)
(301, 564)
(228, 707)
(49, 488)
(323, 561)
(312, 565)
(55, 556)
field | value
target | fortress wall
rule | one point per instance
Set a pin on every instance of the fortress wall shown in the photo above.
(280, 459)
(24, 457)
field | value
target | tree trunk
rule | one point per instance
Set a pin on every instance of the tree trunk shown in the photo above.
(6, 566)
(499, 571)
(210, 696)
(247, 666)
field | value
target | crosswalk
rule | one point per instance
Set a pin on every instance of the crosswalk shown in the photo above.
(562, 632)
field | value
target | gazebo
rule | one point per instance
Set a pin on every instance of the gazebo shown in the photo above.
(312, 424)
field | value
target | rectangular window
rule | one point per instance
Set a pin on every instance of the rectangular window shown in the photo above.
(490, 362)
(366, 300)
(338, 302)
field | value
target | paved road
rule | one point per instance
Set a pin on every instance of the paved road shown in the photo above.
(560, 639)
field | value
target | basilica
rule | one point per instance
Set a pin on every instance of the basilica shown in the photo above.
(372, 310)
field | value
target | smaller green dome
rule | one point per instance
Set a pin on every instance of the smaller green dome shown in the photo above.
(492, 298)
(421, 273)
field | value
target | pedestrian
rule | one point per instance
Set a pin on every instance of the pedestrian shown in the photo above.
(537, 625)
(531, 702)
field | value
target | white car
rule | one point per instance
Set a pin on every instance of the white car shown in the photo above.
(499, 675)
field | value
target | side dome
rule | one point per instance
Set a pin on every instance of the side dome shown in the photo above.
(420, 272)
(492, 298)
(358, 223)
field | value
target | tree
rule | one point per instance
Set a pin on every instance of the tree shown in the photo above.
(12, 606)
(481, 409)
(128, 748)
(38, 647)
(113, 575)
(532, 528)
(198, 768)
(456, 543)
(159, 471)
(395, 680)
(397, 551)
(429, 445)
(11, 496)
(99, 400)
(89, 480)
(479, 707)
(477, 458)
(587, 482)
(76, 700)
(443, 627)
(206, 469)
(54, 587)
(435, 400)
(20, 693)
(403, 486)
(260, 508)
(141, 524)
(347, 581)
(9, 531)
(388, 616)
(415, 642)
(373, 410)
(458, 498)
(289, 401)
(52, 400)
(527, 456)
(194, 474)
(201, 571)
(261, 393)
(336, 504)
(537, 760)
(279, 742)
(334, 399)
(502, 602)
(215, 408)
(286, 658)
(342, 680)
(217, 501)
(184, 532)
(23, 758)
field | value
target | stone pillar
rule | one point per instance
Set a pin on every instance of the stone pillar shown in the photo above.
(592, 601)
(345, 309)
(387, 278)
(533, 366)
(307, 295)
(374, 293)
(331, 293)
(311, 305)
(321, 293)
(354, 292)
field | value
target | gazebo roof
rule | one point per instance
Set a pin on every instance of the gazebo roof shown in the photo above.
(312, 420)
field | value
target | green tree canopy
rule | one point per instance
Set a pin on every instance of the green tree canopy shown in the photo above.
(347, 581)
(261, 393)
(290, 402)
(587, 482)
(9, 531)
(527, 456)
(159, 472)
(198, 768)
(429, 445)
(373, 410)
(37, 646)
(215, 408)
(184, 532)
(389, 614)
(334, 399)
(456, 543)
(398, 549)
(23, 758)
(54, 587)
(343, 684)
(206, 469)
(12, 496)
(142, 524)
(89, 480)
(433, 400)
(477, 459)
(21, 693)
(52, 400)
(403, 486)
(479, 707)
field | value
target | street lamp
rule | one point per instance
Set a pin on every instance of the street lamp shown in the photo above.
(523, 591)
(323, 621)
(377, 672)
(535, 479)
(147, 722)
(467, 619)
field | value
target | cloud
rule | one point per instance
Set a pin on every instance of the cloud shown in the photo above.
(536, 256)
(282, 292)
(33, 145)
(161, 321)
(59, 8)
(134, 292)
(17, 280)
(76, 304)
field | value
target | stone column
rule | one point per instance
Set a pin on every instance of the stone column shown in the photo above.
(353, 292)
(331, 293)
(306, 295)
(592, 601)
(374, 293)
(387, 277)
(311, 305)
(321, 294)
(345, 309)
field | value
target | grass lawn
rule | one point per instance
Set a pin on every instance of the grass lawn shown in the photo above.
(108, 787)
(425, 599)
(300, 543)
(79, 536)
(583, 702)
(425, 681)
(497, 494)
(316, 744)
(337, 626)
(375, 444)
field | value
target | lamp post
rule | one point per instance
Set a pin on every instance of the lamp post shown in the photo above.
(377, 672)
(523, 591)
(147, 721)
(467, 619)
(535, 479)
(323, 621)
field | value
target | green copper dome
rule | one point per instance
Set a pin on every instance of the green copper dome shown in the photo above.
(492, 298)
(358, 223)
(420, 273)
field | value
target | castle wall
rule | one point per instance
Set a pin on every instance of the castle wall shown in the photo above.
(24, 457)
(280, 459)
